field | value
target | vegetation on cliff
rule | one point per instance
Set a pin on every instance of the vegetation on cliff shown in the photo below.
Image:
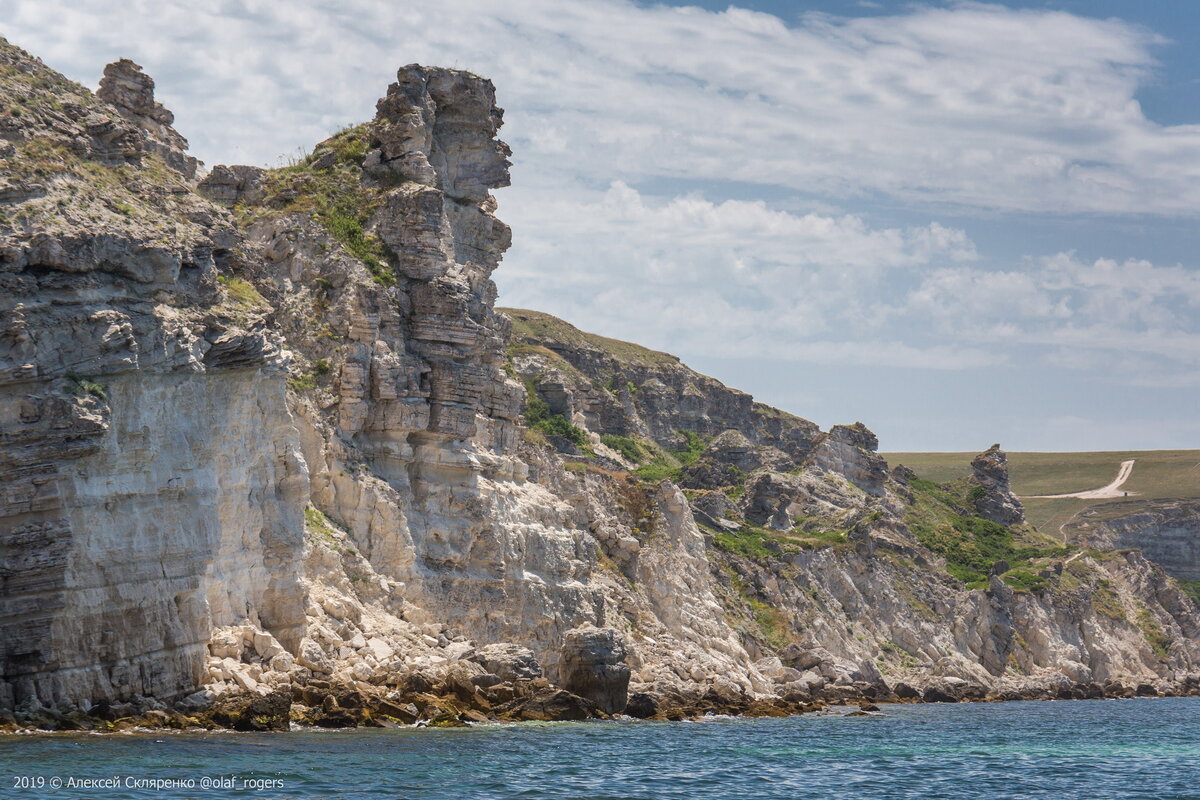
(940, 518)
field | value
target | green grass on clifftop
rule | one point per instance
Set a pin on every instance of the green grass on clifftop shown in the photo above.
(335, 195)
(535, 326)
(1157, 474)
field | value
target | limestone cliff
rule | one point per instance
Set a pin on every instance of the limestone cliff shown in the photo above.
(1166, 531)
(265, 435)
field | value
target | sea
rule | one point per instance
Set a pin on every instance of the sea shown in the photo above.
(1092, 750)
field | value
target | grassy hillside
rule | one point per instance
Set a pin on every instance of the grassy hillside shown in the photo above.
(1158, 474)
(537, 326)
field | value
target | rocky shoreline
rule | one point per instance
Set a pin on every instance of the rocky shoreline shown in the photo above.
(458, 700)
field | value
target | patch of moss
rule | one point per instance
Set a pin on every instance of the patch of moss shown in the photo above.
(748, 541)
(318, 528)
(822, 537)
(660, 464)
(771, 621)
(629, 449)
(87, 386)
(318, 524)
(638, 502)
(1106, 601)
(1024, 579)
(311, 379)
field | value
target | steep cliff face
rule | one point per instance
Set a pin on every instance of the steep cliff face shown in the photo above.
(137, 515)
(1166, 531)
(268, 433)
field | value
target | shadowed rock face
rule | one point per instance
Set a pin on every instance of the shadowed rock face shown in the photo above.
(997, 502)
(593, 666)
(151, 486)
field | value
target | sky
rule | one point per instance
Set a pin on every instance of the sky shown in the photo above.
(960, 223)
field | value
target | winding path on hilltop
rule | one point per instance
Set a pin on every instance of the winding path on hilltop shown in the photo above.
(1112, 490)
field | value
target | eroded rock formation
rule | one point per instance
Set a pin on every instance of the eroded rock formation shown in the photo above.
(995, 500)
(267, 437)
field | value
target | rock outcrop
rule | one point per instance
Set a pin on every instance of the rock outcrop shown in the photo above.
(131, 92)
(995, 500)
(296, 454)
(136, 515)
(593, 666)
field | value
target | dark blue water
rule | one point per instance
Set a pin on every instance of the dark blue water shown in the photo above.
(1088, 749)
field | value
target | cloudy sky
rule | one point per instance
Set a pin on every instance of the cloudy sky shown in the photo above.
(957, 222)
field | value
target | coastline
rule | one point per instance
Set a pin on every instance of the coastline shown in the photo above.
(349, 707)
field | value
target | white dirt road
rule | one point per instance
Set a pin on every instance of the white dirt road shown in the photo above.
(1112, 490)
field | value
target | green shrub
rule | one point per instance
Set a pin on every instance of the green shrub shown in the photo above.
(86, 386)
(242, 292)
(1158, 640)
(1025, 580)
(661, 464)
(344, 217)
(772, 623)
(692, 450)
(538, 418)
(629, 449)
(1191, 589)
(748, 541)
(971, 545)
(557, 425)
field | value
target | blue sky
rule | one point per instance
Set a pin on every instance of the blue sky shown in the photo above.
(957, 222)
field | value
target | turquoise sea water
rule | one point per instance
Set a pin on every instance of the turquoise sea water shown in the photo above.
(1146, 748)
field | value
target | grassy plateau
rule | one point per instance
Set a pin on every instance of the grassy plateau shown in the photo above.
(1157, 474)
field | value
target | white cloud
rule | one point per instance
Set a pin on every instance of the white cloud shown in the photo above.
(730, 278)
(1130, 320)
(973, 104)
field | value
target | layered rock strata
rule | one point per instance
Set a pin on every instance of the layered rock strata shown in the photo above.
(267, 449)
(1166, 531)
(994, 499)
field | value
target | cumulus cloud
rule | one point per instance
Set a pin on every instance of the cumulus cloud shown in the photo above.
(729, 278)
(1132, 319)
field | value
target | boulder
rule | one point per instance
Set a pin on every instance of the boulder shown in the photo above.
(549, 704)
(641, 705)
(269, 712)
(131, 92)
(849, 450)
(939, 694)
(509, 662)
(592, 665)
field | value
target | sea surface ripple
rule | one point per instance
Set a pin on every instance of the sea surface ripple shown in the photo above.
(1098, 750)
